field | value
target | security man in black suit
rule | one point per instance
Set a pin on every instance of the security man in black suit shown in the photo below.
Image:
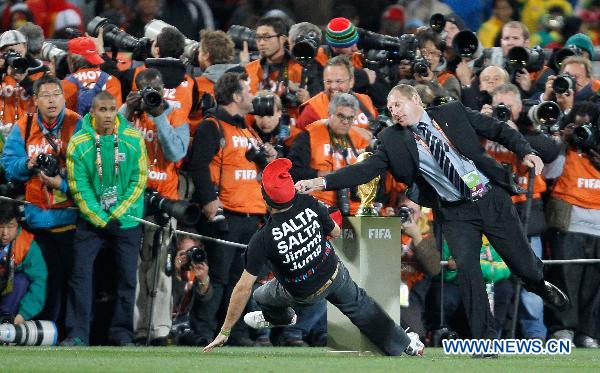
(438, 154)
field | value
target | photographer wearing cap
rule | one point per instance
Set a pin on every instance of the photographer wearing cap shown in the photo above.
(84, 64)
(227, 188)
(108, 168)
(35, 154)
(19, 70)
(573, 212)
(277, 70)
(22, 269)
(328, 145)
(167, 140)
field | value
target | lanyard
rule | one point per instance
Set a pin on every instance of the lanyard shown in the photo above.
(99, 158)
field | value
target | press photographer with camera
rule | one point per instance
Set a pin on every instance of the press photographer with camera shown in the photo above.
(23, 271)
(107, 168)
(86, 78)
(166, 138)
(228, 190)
(35, 154)
(277, 70)
(429, 69)
(19, 70)
(573, 212)
(338, 77)
(478, 95)
(304, 39)
(328, 145)
(573, 84)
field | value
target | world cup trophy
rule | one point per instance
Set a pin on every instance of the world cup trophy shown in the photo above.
(367, 192)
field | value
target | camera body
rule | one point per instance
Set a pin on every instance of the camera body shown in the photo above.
(404, 213)
(16, 61)
(119, 39)
(306, 47)
(257, 154)
(501, 112)
(564, 82)
(586, 137)
(183, 211)
(151, 97)
(421, 66)
(48, 164)
(379, 124)
(518, 58)
(240, 34)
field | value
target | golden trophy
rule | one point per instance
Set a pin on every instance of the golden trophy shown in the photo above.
(367, 192)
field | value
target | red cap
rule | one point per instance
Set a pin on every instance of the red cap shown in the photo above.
(277, 182)
(394, 13)
(86, 48)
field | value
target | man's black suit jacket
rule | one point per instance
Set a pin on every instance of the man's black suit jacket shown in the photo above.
(463, 127)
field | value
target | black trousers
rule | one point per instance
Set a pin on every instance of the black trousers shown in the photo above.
(579, 281)
(57, 250)
(225, 269)
(462, 226)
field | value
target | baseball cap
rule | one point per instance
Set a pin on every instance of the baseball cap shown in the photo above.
(12, 37)
(86, 48)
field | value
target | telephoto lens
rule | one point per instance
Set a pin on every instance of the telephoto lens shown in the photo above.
(196, 255)
(263, 106)
(30, 333)
(563, 83)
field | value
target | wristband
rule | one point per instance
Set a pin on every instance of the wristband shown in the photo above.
(225, 333)
(204, 283)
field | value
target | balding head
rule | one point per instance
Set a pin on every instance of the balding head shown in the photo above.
(492, 77)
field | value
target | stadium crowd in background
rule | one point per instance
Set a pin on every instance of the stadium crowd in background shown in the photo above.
(116, 110)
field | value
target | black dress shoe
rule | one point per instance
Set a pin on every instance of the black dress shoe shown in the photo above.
(554, 297)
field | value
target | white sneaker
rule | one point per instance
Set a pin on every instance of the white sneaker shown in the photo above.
(257, 320)
(416, 347)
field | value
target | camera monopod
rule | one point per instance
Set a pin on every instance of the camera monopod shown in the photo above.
(525, 225)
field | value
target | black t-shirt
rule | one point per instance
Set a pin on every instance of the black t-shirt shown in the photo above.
(294, 243)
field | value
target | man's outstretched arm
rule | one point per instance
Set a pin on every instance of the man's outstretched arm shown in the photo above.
(237, 303)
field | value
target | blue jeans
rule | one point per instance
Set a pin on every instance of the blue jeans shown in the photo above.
(531, 312)
(276, 304)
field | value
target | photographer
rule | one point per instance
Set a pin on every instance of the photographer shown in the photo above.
(19, 70)
(277, 70)
(86, 78)
(191, 288)
(328, 145)
(573, 212)
(507, 106)
(429, 69)
(479, 94)
(302, 36)
(35, 154)
(107, 168)
(22, 269)
(577, 83)
(227, 189)
(167, 140)
(275, 129)
(338, 77)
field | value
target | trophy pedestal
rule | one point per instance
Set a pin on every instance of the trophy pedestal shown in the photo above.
(370, 248)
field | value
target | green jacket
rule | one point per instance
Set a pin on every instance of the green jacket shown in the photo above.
(492, 270)
(84, 181)
(34, 267)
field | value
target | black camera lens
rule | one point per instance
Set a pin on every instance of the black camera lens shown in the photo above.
(183, 211)
(465, 43)
(437, 22)
(240, 34)
(263, 106)
(196, 255)
(501, 112)
(546, 113)
(151, 97)
(119, 39)
(16, 61)
(405, 214)
(305, 48)
(48, 164)
(421, 67)
(563, 83)
(258, 155)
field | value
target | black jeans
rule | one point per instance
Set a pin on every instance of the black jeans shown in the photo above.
(276, 304)
(462, 226)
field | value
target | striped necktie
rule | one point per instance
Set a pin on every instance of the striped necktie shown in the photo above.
(439, 151)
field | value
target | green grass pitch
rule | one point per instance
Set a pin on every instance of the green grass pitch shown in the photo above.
(285, 360)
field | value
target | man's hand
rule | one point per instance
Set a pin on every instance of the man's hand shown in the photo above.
(425, 79)
(412, 230)
(133, 102)
(210, 209)
(533, 161)
(487, 109)
(303, 94)
(201, 271)
(371, 75)
(17, 76)
(98, 41)
(51, 182)
(308, 186)
(464, 73)
(565, 100)
(244, 54)
(219, 341)
(156, 111)
(32, 163)
(18, 319)
(522, 79)
(451, 263)
(548, 90)
(271, 152)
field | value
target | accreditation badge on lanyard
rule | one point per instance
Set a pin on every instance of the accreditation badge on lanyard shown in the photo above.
(474, 182)
(109, 194)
